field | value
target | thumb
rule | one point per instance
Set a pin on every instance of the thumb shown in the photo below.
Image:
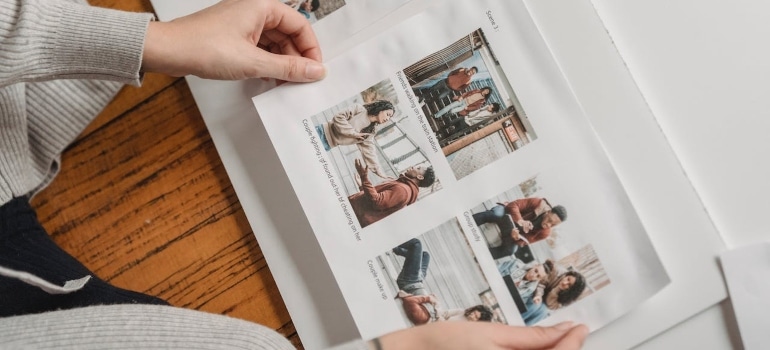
(573, 339)
(289, 68)
(536, 337)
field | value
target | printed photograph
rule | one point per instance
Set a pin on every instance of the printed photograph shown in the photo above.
(380, 166)
(469, 104)
(435, 278)
(315, 10)
(545, 264)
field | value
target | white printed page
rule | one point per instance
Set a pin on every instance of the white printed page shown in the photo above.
(448, 173)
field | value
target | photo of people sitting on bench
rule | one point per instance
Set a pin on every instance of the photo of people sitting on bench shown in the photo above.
(521, 222)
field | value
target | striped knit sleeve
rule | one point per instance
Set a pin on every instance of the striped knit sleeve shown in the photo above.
(56, 39)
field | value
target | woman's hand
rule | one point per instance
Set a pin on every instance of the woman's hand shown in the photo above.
(357, 179)
(484, 335)
(515, 234)
(526, 225)
(361, 137)
(236, 39)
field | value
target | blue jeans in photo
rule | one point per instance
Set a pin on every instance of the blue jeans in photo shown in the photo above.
(440, 88)
(454, 107)
(322, 135)
(492, 215)
(495, 215)
(412, 274)
(535, 312)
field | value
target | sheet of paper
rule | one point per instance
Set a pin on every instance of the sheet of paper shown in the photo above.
(747, 272)
(532, 150)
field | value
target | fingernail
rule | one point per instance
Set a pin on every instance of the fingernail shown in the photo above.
(566, 325)
(315, 71)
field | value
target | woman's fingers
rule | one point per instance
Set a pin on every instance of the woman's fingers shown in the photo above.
(574, 339)
(483, 335)
(292, 24)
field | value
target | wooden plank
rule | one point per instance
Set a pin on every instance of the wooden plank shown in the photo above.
(473, 137)
(129, 97)
(125, 5)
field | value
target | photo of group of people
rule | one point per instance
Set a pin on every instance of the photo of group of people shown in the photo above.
(544, 266)
(380, 166)
(435, 277)
(469, 104)
(314, 10)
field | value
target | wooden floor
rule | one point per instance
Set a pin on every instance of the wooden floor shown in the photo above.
(143, 200)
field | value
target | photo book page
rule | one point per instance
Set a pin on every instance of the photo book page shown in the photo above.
(449, 173)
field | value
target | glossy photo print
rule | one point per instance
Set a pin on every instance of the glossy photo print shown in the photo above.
(381, 168)
(469, 104)
(436, 277)
(546, 264)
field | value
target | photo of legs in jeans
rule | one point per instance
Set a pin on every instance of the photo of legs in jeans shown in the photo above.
(436, 277)
(454, 107)
(496, 215)
(440, 88)
(410, 279)
(410, 283)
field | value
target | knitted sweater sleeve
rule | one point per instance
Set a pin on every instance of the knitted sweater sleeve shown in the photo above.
(57, 39)
(137, 326)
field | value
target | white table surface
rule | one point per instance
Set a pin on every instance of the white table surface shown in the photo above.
(703, 67)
